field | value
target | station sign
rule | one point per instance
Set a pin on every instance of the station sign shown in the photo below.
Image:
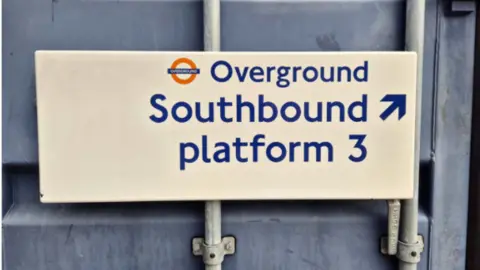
(177, 126)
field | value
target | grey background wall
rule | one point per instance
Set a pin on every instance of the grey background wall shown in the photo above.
(270, 235)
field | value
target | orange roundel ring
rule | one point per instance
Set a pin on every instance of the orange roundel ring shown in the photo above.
(192, 66)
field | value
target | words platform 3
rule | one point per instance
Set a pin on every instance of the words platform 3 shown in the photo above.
(176, 126)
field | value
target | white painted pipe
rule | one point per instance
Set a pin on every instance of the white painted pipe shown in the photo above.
(415, 29)
(211, 38)
(211, 25)
(213, 227)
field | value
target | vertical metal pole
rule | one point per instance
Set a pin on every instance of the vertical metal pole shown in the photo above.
(213, 226)
(213, 209)
(211, 25)
(415, 24)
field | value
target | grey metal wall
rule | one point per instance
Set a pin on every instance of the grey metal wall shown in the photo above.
(270, 235)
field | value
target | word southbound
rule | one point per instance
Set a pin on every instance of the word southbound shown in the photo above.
(261, 109)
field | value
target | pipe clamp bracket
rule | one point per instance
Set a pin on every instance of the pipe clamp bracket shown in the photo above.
(410, 253)
(213, 254)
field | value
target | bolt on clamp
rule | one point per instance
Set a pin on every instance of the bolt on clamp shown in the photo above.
(213, 254)
(390, 245)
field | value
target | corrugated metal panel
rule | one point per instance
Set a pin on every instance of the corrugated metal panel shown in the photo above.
(270, 235)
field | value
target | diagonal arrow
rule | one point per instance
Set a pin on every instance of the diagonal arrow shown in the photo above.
(397, 101)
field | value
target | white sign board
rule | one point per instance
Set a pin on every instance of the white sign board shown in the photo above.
(158, 126)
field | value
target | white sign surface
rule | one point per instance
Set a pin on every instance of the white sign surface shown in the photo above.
(157, 126)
